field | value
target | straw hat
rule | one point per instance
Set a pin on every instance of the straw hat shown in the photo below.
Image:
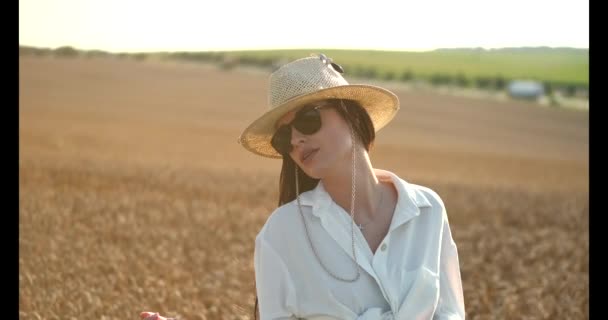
(309, 80)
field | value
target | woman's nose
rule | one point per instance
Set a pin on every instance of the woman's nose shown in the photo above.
(297, 137)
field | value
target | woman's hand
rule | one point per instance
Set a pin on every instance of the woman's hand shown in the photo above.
(146, 315)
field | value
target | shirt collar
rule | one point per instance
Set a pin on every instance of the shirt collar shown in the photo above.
(317, 198)
(409, 201)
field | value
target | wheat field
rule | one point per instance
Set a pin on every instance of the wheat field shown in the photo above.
(134, 194)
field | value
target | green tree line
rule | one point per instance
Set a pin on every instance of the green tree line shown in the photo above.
(270, 60)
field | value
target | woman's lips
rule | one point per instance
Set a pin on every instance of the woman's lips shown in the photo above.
(309, 155)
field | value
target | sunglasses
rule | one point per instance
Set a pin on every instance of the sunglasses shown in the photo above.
(307, 121)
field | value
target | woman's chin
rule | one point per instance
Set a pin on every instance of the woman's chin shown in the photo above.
(312, 171)
(319, 168)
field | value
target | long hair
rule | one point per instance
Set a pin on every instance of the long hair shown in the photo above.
(356, 116)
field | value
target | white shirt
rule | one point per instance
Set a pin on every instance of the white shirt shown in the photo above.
(414, 273)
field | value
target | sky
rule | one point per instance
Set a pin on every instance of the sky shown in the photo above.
(202, 25)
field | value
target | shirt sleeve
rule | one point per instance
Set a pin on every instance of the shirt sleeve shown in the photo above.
(451, 299)
(274, 286)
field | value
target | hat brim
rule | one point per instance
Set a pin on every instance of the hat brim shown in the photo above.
(380, 104)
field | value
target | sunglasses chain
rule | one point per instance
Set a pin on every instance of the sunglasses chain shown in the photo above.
(352, 215)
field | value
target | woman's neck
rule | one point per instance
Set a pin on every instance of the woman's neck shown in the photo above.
(368, 189)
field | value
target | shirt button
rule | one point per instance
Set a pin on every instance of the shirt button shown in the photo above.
(383, 247)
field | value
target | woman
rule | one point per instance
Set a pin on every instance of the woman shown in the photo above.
(347, 241)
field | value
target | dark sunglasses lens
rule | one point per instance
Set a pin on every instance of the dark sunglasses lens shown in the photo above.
(308, 121)
(281, 140)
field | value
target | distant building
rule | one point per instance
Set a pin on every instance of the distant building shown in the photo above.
(525, 89)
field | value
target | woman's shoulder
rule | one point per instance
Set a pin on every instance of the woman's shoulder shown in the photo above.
(429, 194)
(281, 221)
(421, 194)
(429, 201)
(282, 214)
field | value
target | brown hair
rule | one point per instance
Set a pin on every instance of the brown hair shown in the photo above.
(356, 116)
